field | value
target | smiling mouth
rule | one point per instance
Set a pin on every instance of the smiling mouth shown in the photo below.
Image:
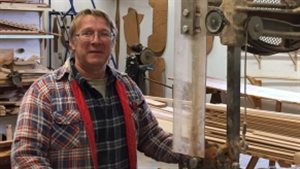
(95, 51)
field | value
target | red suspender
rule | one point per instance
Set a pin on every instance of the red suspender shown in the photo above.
(129, 125)
(85, 114)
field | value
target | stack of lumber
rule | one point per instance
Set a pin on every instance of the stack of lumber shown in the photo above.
(10, 100)
(29, 70)
(271, 135)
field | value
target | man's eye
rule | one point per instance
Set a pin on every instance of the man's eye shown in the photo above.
(105, 34)
(88, 33)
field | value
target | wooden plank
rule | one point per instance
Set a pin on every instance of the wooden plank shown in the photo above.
(156, 103)
(5, 144)
(252, 163)
(283, 164)
(257, 91)
(275, 77)
(24, 6)
(13, 1)
(6, 56)
(14, 25)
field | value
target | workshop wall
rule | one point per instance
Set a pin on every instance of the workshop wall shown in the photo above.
(279, 67)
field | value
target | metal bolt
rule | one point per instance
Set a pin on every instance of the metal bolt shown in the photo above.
(185, 12)
(257, 28)
(198, 14)
(185, 28)
(198, 29)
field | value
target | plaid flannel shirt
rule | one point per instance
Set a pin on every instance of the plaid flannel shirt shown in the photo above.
(50, 132)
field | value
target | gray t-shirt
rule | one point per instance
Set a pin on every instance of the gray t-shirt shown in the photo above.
(99, 85)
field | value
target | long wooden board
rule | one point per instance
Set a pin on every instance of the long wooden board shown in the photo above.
(257, 91)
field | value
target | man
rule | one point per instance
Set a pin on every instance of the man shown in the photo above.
(87, 114)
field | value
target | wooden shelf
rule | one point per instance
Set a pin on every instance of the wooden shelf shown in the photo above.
(24, 7)
(22, 36)
(33, 13)
(8, 115)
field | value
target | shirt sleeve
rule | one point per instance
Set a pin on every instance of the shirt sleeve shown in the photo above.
(153, 140)
(32, 132)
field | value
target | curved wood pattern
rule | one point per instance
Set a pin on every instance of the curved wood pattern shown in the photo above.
(157, 41)
(131, 28)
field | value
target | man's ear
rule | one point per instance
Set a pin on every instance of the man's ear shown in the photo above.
(71, 45)
(113, 42)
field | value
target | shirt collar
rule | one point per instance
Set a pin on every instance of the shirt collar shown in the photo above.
(68, 70)
(74, 74)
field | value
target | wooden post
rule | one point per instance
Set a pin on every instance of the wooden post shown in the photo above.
(190, 78)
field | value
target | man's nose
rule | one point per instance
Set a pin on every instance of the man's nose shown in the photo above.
(97, 37)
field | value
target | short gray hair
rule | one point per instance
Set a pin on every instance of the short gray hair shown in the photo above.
(93, 12)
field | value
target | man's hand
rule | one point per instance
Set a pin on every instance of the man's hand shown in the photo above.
(210, 160)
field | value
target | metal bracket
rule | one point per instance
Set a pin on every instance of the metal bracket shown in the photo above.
(190, 18)
(258, 59)
(294, 58)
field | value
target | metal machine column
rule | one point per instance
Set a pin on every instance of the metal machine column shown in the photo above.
(233, 103)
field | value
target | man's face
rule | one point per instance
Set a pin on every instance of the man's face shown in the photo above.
(92, 44)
